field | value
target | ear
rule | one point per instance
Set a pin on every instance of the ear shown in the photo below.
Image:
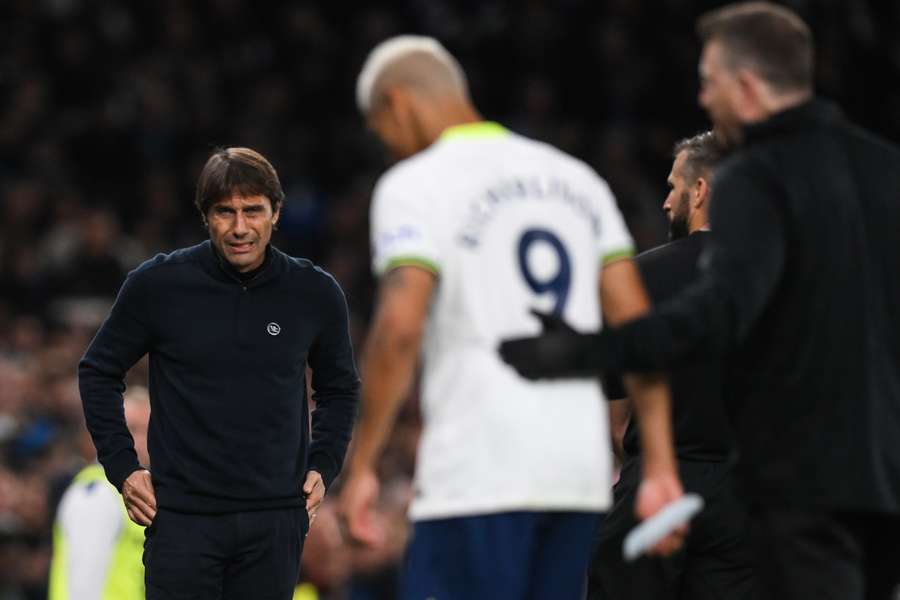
(395, 102)
(408, 109)
(275, 216)
(752, 91)
(699, 193)
(747, 81)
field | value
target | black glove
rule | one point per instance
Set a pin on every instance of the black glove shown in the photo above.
(559, 352)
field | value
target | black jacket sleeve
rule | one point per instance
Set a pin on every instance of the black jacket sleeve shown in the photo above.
(744, 263)
(121, 341)
(335, 385)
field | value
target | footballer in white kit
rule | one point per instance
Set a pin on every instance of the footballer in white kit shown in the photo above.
(475, 227)
(506, 224)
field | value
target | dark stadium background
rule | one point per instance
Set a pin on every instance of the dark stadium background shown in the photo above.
(108, 110)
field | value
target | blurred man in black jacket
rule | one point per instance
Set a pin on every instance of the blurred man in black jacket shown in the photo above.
(802, 291)
(715, 562)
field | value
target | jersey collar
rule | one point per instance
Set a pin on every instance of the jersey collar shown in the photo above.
(471, 131)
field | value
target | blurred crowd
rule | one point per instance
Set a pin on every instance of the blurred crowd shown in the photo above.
(109, 109)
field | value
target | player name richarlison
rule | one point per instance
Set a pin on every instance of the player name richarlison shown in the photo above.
(483, 209)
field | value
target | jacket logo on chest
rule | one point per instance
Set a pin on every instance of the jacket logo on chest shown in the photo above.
(273, 328)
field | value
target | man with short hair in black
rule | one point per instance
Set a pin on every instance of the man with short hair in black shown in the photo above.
(801, 294)
(715, 561)
(230, 325)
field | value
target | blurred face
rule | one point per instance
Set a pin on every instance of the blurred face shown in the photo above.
(678, 203)
(240, 228)
(99, 232)
(721, 94)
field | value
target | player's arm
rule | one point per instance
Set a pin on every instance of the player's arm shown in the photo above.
(390, 358)
(624, 299)
(388, 366)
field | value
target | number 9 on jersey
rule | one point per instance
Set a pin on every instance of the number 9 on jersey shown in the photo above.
(556, 284)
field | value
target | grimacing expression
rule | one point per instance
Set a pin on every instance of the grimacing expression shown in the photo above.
(720, 91)
(677, 205)
(240, 228)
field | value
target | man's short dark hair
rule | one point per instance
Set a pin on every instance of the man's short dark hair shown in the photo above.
(702, 153)
(771, 40)
(237, 170)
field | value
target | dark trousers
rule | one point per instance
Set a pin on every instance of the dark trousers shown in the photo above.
(821, 555)
(715, 563)
(504, 556)
(235, 556)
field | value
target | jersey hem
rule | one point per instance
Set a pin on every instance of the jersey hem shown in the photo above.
(435, 511)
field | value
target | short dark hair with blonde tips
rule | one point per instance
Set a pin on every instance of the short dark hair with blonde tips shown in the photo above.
(237, 170)
(771, 40)
(703, 152)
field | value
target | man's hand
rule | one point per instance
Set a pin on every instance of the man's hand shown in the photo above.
(357, 507)
(656, 491)
(314, 491)
(559, 351)
(140, 498)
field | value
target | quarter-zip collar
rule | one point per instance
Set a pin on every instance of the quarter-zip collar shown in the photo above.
(219, 268)
(813, 113)
(251, 275)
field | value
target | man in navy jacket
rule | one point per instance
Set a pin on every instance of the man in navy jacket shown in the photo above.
(230, 326)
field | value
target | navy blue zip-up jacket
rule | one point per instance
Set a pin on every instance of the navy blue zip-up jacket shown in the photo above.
(229, 429)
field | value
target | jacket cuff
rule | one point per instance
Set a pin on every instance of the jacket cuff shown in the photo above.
(324, 465)
(120, 467)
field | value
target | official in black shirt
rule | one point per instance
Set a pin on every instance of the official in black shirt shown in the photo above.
(230, 326)
(716, 561)
(802, 293)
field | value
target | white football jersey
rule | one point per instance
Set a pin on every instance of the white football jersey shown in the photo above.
(507, 224)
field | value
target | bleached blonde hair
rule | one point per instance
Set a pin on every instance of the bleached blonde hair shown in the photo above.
(414, 61)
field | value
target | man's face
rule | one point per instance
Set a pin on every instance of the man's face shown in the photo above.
(678, 203)
(240, 228)
(720, 91)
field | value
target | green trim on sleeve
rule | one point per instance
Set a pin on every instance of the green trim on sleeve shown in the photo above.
(615, 255)
(412, 261)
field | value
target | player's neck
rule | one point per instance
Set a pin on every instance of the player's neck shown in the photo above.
(451, 115)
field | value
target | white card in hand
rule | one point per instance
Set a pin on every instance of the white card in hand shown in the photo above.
(646, 535)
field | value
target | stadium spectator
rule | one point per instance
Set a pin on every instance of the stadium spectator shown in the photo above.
(97, 548)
